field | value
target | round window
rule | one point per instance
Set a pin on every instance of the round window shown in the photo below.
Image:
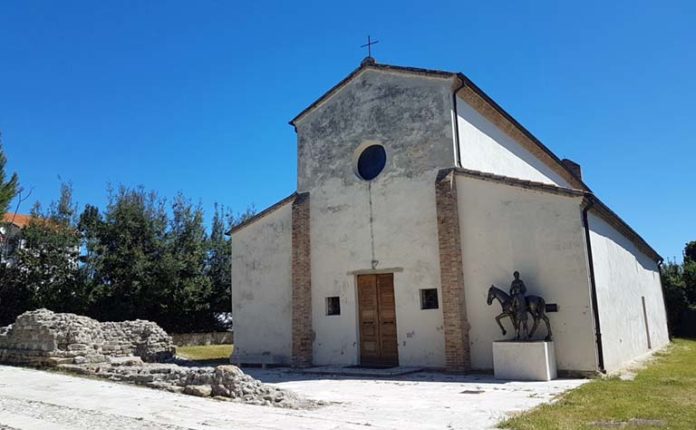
(371, 162)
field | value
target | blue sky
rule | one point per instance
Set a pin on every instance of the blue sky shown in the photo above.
(195, 96)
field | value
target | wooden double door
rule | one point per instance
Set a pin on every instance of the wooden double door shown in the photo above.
(377, 320)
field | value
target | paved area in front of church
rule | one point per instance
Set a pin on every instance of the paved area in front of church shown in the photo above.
(33, 399)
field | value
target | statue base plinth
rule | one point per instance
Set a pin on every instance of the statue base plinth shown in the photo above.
(524, 361)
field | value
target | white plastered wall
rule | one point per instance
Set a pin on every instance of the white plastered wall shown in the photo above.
(391, 220)
(262, 288)
(485, 147)
(404, 234)
(623, 275)
(505, 228)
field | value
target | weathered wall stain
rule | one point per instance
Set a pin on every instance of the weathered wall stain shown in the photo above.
(410, 115)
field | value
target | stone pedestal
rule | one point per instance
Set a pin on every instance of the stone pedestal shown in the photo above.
(524, 361)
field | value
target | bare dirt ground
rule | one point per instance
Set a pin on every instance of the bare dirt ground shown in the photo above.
(33, 399)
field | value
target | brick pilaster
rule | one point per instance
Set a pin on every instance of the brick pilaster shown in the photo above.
(456, 328)
(301, 283)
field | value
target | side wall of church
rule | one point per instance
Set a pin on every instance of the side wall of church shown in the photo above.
(262, 288)
(624, 276)
(389, 223)
(487, 148)
(505, 228)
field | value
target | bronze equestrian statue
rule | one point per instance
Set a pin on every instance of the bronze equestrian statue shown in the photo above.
(516, 305)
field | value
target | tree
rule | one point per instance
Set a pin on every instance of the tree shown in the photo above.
(124, 254)
(44, 272)
(241, 217)
(689, 272)
(689, 280)
(89, 225)
(8, 189)
(675, 295)
(690, 251)
(186, 306)
(219, 268)
(131, 261)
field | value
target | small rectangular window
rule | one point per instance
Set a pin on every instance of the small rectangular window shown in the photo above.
(429, 298)
(333, 306)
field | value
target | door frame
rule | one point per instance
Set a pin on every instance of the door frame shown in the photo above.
(373, 272)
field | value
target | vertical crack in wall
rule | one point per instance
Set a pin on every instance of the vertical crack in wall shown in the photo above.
(373, 260)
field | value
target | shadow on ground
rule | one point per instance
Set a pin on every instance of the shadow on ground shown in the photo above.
(200, 363)
(280, 375)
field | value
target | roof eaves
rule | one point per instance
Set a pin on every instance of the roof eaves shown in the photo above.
(444, 74)
(599, 207)
(469, 83)
(262, 214)
(521, 183)
(375, 66)
(624, 228)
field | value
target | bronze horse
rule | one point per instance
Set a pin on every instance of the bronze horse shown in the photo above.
(535, 306)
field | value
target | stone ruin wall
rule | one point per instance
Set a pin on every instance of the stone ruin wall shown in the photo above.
(45, 338)
(131, 352)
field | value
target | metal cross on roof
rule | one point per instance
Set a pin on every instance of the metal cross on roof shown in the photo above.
(369, 45)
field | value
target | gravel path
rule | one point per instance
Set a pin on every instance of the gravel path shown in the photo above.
(36, 413)
(32, 399)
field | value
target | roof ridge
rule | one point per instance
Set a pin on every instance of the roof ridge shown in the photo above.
(365, 65)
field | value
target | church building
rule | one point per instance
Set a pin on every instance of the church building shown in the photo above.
(415, 193)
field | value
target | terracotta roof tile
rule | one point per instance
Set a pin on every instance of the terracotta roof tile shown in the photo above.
(19, 220)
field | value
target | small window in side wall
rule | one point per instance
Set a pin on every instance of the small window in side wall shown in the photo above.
(333, 306)
(429, 299)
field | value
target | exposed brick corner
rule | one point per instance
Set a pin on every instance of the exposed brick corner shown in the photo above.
(457, 356)
(301, 283)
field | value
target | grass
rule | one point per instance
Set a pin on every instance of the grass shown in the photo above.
(664, 391)
(205, 352)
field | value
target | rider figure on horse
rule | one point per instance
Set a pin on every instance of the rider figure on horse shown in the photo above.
(518, 291)
(516, 306)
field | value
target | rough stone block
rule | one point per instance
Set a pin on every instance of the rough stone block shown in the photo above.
(77, 347)
(198, 390)
(56, 361)
(125, 361)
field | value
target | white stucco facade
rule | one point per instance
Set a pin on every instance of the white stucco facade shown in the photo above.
(404, 237)
(539, 234)
(487, 148)
(625, 278)
(390, 225)
(262, 288)
(390, 220)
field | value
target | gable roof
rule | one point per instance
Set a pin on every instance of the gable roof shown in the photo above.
(19, 220)
(369, 63)
(472, 95)
(469, 92)
(263, 213)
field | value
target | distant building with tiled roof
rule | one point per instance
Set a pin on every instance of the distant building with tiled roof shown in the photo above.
(11, 233)
(19, 220)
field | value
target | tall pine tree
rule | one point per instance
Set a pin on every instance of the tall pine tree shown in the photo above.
(219, 267)
(125, 254)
